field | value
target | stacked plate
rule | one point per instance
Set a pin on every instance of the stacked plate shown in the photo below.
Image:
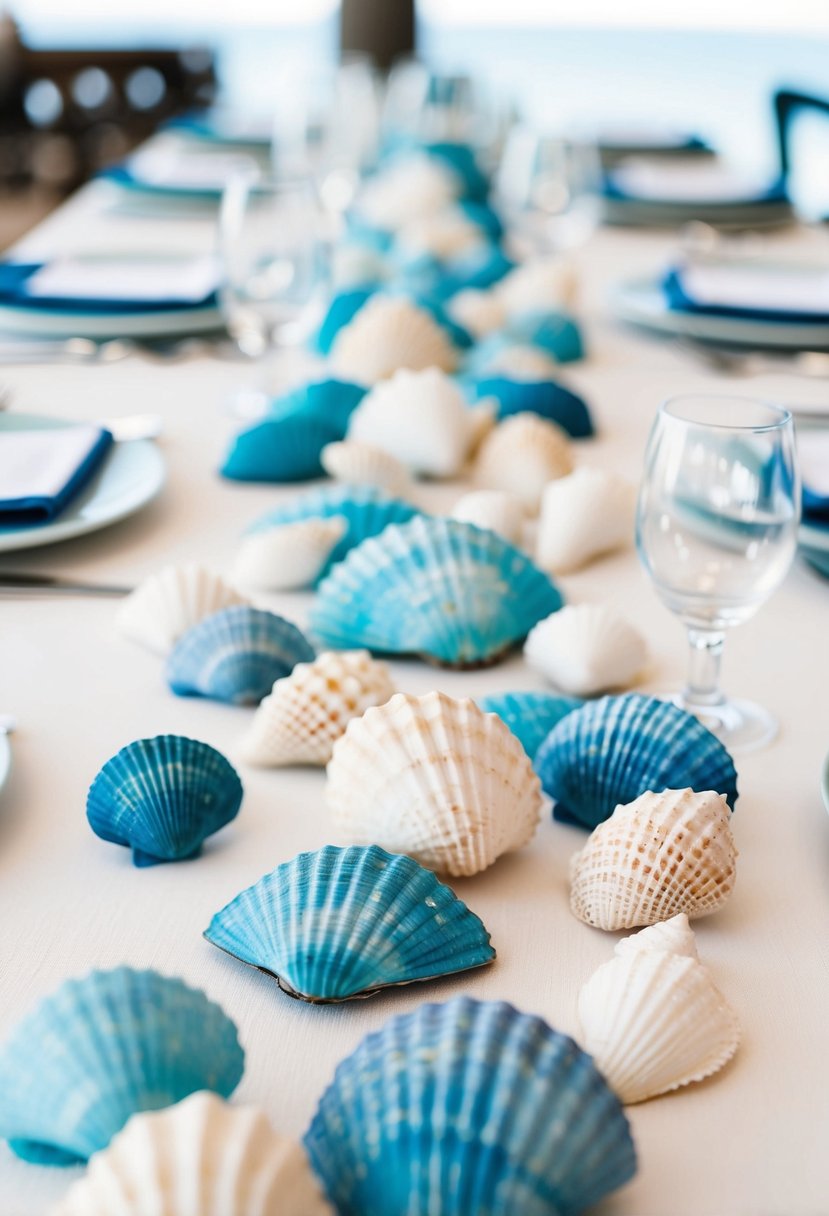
(653, 191)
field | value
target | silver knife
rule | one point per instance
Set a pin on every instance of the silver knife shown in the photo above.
(21, 584)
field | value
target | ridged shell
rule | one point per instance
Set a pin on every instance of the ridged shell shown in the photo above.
(435, 778)
(466, 1108)
(236, 655)
(659, 855)
(407, 189)
(389, 333)
(307, 712)
(103, 1047)
(365, 464)
(479, 312)
(493, 509)
(529, 715)
(163, 797)
(539, 284)
(438, 588)
(583, 516)
(165, 605)
(516, 362)
(674, 936)
(585, 649)
(612, 750)
(544, 397)
(200, 1157)
(556, 333)
(288, 557)
(521, 456)
(342, 923)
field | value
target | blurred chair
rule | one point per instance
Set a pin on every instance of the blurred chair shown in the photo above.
(790, 105)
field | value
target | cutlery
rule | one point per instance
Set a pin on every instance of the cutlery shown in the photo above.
(21, 585)
(112, 350)
(811, 364)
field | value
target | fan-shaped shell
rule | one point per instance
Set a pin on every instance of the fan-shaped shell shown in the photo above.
(515, 361)
(308, 711)
(165, 605)
(101, 1048)
(612, 750)
(163, 797)
(655, 857)
(407, 189)
(389, 333)
(521, 456)
(465, 1108)
(342, 923)
(435, 778)
(529, 715)
(584, 515)
(434, 587)
(366, 464)
(479, 312)
(493, 509)
(543, 397)
(585, 649)
(539, 284)
(200, 1157)
(288, 557)
(557, 333)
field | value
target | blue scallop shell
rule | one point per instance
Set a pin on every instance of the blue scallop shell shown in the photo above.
(461, 159)
(343, 308)
(163, 797)
(612, 750)
(555, 332)
(484, 216)
(341, 923)
(236, 655)
(547, 398)
(438, 588)
(529, 715)
(102, 1048)
(432, 280)
(469, 1109)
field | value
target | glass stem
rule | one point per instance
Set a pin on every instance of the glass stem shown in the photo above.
(703, 687)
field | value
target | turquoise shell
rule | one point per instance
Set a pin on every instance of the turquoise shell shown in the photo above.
(419, 289)
(432, 280)
(163, 797)
(555, 332)
(529, 715)
(236, 655)
(547, 398)
(343, 308)
(484, 216)
(461, 159)
(469, 1109)
(102, 1048)
(341, 923)
(612, 750)
(439, 588)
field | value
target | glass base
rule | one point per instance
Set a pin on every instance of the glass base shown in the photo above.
(742, 726)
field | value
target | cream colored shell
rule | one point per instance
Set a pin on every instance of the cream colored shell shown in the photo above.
(583, 516)
(520, 362)
(479, 312)
(167, 604)
(660, 855)
(288, 556)
(542, 284)
(406, 190)
(436, 778)
(201, 1157)
(390, 332)
(493, 509)
(586, 649)
(366, 465)
(443, 234)
(674, 936)
(521, 455)
(309, 710)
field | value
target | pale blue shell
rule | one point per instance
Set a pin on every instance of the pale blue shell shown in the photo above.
(236, 655)
(340, 923)
(554, 332)
(102, 1048)
(529, 715)
(469, 1109)
(438, 588)
(163, 797)
(612, 750)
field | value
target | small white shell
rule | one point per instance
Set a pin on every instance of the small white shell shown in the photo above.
(443, 234)
(165, 605)
(586, 649)
(365, 465)
(521, 362)
(290, 556)
(542, 284)
(582, 516)
(309, 710)
(479, 312)
(388, 333)
(493, 509)
(201, 1157)
(521, 455)
(674, 936)
(406, 190)
(436, 778)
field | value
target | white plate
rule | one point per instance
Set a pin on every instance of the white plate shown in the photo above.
(132, 475)
(5, 758)
(173, 322)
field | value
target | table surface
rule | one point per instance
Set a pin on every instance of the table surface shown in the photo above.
(752, 1139)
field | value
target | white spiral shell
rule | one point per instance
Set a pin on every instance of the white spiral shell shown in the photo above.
(288, 556)
(584, 515)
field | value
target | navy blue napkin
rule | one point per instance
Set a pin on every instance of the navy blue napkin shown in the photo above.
(42, 471)
(14, 280)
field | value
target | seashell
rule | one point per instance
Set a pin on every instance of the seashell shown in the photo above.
(583, 516)
(673, 936)
(612, 750)
(439, 588)
(353, 264)
(521, 455)
(442, 234)
(342, 923)
(493, 509)
(468, 1107)
(167, 604)
(388, 333)
(461, 159)
(163, 797)
(545, 398)
(420, 418)
(406, 189)
(289, 557)
(343, 307)
(586, 649)
(308, 710)
(366, 465)
(103, 1047)
(543, 283)
(515, 362)
(655, 857)
(555, 333)
(236, 655)
(654, 1020)
(529, 715)
(479, 312)
(200, 1157)
(435, 778)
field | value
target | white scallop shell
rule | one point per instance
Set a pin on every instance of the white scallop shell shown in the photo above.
(165, 605)
(674, 936)
(422, 419)
(201, 1157)
(582, 516)
(542, 284)
(521, 362)
(479, 312)
(443, 234)
(366, 465)
(585, 649)
(660, 855)
(309, 710)
(436, 778)
(390, 332)
(494, 509)
(407, 189)
(521, 455)
(288, 556)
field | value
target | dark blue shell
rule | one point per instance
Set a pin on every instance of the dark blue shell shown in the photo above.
(547, 398)
(529, 715)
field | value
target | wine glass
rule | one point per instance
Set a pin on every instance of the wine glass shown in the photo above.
(716, 530)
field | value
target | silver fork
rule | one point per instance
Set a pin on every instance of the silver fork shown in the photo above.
(811, 364)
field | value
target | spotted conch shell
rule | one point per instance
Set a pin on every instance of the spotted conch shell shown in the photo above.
(289, 556)
(521, 456)
(390, 332)
(586, 648)
(583, 516)
(165, 605)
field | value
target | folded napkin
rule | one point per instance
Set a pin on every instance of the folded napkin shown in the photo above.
(111, 285)
(204, 173)
(813, 454)
(760, 290)
(41, 471)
